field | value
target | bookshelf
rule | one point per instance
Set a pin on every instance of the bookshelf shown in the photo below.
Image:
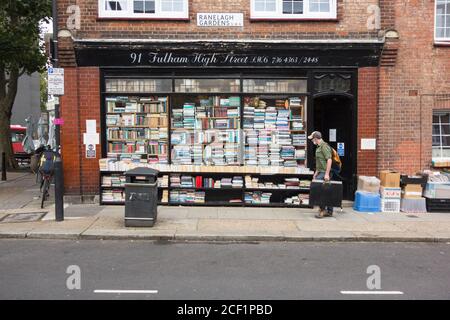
(137, 128)
(216, 142)
(217, 189)
(274, 131)
(205, 130)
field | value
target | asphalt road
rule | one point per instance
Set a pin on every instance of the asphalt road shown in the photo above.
(41, 269)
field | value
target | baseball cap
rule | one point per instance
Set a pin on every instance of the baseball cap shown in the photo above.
(315, 134)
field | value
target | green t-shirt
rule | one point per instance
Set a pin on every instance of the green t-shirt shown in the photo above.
(323, 154)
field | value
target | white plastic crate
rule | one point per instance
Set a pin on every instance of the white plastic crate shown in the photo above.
(390, 205)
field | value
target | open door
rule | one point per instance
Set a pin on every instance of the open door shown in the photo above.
(333, 117)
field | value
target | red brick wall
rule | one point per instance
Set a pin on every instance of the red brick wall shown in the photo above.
(352, 22)
(70, 135)
(80, 103)
(421, 69)
(367, 119)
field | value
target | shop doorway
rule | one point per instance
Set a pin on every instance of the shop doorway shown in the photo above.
(333, 117)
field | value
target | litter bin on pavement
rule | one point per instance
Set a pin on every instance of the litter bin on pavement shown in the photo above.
(141, 197)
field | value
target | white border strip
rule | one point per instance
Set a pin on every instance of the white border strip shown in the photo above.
(126, 291)
(371, 292)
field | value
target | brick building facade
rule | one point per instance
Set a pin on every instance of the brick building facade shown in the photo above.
(397, 69)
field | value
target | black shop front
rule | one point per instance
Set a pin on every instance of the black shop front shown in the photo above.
(226, 115)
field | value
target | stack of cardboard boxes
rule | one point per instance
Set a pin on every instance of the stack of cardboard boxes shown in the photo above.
(390, 191)
(412, 200)
(367, 197)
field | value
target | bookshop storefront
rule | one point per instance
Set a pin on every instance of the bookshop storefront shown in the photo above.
(225, 123)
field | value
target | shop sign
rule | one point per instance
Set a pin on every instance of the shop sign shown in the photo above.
(91, 151)
(341, 149)
(220, 19)
(55, 81)
(219, 59)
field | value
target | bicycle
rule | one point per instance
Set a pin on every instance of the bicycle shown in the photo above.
(45, 187)
(45, 172)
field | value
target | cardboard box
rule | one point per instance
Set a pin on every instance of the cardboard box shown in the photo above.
(368, 184)
(390, 193)
(390, 179)
(412, 191)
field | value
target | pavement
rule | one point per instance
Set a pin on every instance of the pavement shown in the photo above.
(20, 195)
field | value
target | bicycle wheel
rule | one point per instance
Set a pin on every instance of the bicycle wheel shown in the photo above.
(45, 189)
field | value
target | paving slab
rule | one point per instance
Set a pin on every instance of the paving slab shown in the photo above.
(393, 236)
(425, 226)
(67, 229)
(328, 224)
(16, 230)
(236, 225)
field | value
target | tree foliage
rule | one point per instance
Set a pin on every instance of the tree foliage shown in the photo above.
(22, 50)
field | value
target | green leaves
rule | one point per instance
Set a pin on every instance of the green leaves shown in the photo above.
(19, 34)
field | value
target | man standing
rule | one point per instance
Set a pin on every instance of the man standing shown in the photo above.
(323, 167)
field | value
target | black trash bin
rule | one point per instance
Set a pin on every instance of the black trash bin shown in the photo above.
(141, 197)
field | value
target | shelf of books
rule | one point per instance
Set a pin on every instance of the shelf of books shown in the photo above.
(137, 128)
(274, 131)
(206, 130)
(245, 147)
(208, 187)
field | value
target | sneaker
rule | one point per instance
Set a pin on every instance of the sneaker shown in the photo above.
(321, 214)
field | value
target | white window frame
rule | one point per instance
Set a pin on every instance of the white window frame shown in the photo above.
(440, 135)
(129, 12)
(307, 15)
(439, 39)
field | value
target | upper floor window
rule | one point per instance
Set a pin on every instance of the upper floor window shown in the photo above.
(293, 9)
(442, 29)
(158, 9)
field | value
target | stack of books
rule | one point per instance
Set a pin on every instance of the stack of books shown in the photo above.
(163, 181)
(295, 102)
(249, 117)
(187, 196)
(257, 197)
(238, 182)
(175, 180)
(182, 155)
(283, 119)
(259, 119)
(299, 139)
(189, 116)
(226, 182)
(271, 118)
(187, 181)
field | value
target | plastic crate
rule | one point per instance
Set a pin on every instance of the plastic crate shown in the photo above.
(413, 205)
(390, 205)
(438, 205)
(367, 202)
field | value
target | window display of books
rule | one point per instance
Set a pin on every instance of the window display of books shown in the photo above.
(137, 126)
(273, 131)
(206, 131)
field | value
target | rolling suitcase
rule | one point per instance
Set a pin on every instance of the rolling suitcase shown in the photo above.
(326, 194)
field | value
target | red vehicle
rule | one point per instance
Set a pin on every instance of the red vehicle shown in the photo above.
(17, 135)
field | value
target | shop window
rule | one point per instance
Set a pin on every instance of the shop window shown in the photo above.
(293, 9)
(274, 86)
(442, 23)
(441, 135)
(207, 85)
(138, 85)
(135, 9)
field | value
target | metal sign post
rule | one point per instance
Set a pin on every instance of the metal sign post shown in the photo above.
(56, 87)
